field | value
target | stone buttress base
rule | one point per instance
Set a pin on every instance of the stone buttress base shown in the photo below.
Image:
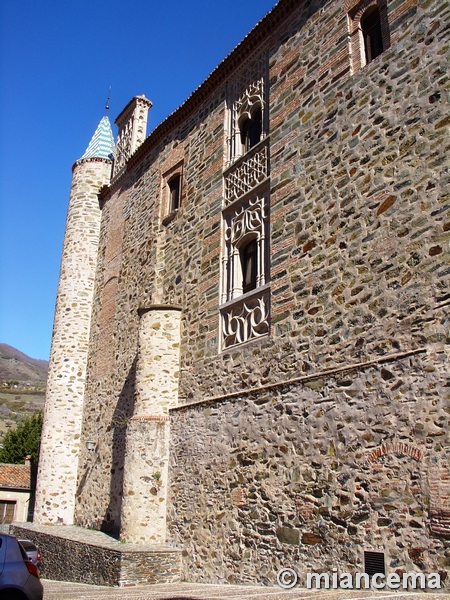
(71, 553)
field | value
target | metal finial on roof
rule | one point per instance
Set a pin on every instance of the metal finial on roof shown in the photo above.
(107, 102)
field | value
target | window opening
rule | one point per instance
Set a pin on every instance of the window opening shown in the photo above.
(251, 130)
(7, 510)
(249, 266)
(374, 563)
(174, 192)
(371, 29)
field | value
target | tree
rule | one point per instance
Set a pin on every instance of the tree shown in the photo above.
(22, 441)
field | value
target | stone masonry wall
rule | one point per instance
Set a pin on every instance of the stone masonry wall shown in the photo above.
(71, 553)
(359, 271)
(359, 213)
(153, 264)
(310, 475)
(359, 251)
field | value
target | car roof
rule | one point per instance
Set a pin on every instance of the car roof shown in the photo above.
(28, 544)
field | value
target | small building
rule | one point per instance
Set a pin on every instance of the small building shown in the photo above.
(16, 493)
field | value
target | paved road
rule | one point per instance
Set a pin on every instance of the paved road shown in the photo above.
(58, 590)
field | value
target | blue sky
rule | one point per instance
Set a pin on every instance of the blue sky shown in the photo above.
(57, 62)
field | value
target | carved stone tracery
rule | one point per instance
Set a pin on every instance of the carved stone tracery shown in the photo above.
(132, 124)
(246, 174)
(123, 148)
(245, 216)
(246, 320)
(245, 221)
(245, 93)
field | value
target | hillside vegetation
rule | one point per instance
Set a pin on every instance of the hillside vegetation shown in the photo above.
(22, 386)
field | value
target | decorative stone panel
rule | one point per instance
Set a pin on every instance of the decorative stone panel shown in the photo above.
(132, 124)
(246, 319)
(247, 173)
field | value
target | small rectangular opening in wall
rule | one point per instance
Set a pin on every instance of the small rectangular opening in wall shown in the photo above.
(7, 511)
(374, 563)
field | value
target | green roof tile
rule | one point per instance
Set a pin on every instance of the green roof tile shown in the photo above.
(102, 142)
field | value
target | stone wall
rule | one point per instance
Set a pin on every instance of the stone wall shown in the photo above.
(310, 474)
(83, 556)
(304, 433)
(359, 274)
(157, 267)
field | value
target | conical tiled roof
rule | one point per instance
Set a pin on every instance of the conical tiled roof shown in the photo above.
(102, 143)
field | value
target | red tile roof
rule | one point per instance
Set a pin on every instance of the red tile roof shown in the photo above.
(15, 476)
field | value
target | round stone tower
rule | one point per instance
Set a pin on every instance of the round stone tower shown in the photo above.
(58, 463)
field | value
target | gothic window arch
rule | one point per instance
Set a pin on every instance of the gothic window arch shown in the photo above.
(247, 119)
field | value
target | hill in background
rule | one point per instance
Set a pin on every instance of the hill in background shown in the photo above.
(17, 366)
(22, 386)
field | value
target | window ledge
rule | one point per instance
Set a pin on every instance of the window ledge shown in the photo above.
(170, 217)
(247, 296)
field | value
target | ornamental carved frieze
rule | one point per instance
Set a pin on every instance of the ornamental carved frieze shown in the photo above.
(247, 173)
(247, 218)
(246, 319)
(123, 147)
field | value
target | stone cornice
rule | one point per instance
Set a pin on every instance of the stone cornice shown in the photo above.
(303, 379)
(90, 160)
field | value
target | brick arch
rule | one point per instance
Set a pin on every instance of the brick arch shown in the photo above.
(360, 9)
(355, 10)
(438, 473)
(395, 448)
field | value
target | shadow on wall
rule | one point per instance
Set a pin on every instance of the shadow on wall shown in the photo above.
(122, 414)
(31, 505)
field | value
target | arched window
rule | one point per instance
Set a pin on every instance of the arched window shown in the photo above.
(249, 265)
(251, 129)
(372, 35)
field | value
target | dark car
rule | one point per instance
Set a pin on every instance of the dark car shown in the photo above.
(32, 551)
(19, 576)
